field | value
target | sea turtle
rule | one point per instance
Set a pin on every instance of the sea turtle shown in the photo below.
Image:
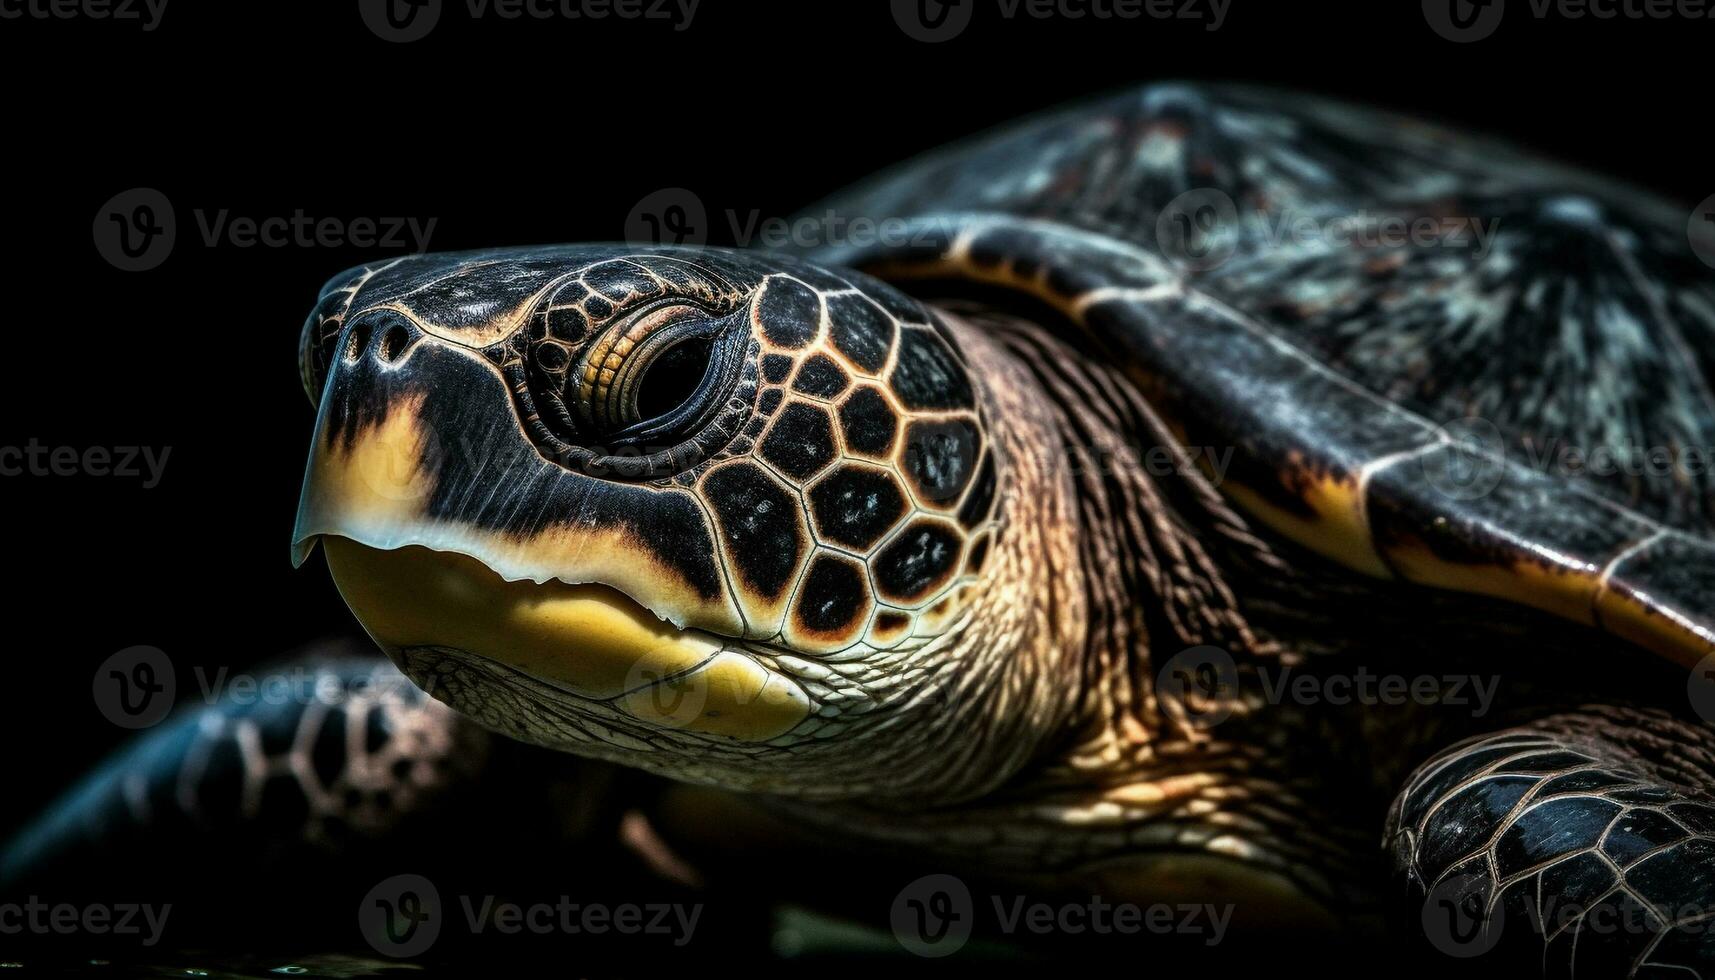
(1114, 505)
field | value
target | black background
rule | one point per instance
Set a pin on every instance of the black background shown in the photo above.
(536, 131)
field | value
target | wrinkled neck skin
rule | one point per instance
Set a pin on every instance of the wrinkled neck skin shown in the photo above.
(1095, 566)
(1100, 571)
(1116, 555)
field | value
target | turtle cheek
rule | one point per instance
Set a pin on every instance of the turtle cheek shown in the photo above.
(846, 516)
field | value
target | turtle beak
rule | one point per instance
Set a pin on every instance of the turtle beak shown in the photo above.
(444, 527)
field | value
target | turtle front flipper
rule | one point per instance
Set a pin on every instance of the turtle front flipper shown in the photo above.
(300, 793)
(1584, 843)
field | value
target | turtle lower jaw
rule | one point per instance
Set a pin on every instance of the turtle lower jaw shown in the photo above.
(591, 643)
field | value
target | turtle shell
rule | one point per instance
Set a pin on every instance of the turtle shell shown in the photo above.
(1436, 358)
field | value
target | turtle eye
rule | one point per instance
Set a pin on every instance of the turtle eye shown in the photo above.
(673, 377)
(658, 374)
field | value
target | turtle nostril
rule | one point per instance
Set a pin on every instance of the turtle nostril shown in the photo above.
(674, 377)
(394, 342)
(355, 344)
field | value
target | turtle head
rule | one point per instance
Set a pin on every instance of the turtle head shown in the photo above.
(733, 519)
